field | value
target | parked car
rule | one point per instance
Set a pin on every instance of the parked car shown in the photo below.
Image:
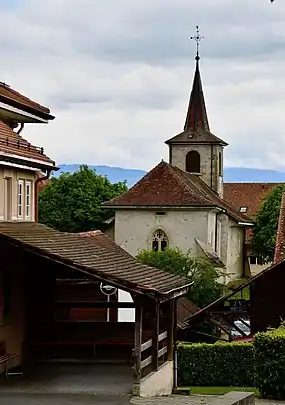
(241, 325)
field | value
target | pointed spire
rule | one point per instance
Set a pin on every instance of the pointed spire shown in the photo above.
(196, 117)
(196, 128)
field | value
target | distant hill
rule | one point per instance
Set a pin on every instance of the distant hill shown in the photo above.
(231, 174)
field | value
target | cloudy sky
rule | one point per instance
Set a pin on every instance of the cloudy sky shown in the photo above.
(117, 75)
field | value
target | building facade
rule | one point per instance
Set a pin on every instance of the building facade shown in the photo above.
(19, 160)
(180, 203)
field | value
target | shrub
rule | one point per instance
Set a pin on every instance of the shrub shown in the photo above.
(270, 363)
(219, 364)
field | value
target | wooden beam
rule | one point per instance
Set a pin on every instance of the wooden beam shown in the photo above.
(146, 345)
(175, 360)
(95, 304)
(146, 362)
(162, 336)
(155, 333)
(138, 343)
(170, 324)
(175, 294)
(162, 351)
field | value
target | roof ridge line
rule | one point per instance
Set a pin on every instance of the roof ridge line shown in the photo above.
(181, 175)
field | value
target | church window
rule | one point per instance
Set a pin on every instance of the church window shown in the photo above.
(193, 162)
(220, 164)
(159, 241)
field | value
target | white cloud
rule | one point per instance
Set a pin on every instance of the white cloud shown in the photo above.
(117, 75)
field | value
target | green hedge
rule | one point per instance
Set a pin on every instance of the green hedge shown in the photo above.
(219, 364)
(270, 363)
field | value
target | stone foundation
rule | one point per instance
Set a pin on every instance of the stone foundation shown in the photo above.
(157, 383)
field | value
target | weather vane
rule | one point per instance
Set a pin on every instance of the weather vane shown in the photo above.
(198, 38)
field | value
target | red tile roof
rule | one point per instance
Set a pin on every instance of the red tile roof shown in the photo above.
(249, 195)
(185, 309)
(97, 256)
(14, 95)
(166, 185)
(14, 144)
(279, 253)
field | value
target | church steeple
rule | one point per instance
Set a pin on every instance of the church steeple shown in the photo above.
(196, 117)
(196, 149)
(196, 127)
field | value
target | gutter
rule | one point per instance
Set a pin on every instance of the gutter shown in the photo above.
(39, 179)
(29, 161)
(21, 128)
(246, 223)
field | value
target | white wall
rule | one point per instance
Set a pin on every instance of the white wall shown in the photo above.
(134, 228)
(235, 261)
(211, 240)
(209, 157)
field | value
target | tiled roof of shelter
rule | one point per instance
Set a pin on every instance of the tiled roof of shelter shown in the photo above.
(98, 256)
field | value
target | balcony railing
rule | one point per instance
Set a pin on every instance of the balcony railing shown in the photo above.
(21, 145)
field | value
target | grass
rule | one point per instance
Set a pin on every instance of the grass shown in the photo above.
(218, 390)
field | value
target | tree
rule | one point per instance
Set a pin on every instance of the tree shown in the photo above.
(72, 202)
(266, 224)
(205, 289)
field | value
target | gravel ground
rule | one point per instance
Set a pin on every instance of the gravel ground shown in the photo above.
(61, 399)
(83, 399)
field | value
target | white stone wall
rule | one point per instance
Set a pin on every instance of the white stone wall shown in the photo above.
(134, 228)
(211, 240)
(235, 251)
(134, 231)
(209, 157)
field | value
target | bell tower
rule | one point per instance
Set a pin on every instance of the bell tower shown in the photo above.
(196, 150)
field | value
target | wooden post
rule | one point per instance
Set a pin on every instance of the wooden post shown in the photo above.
(175, 342)
(155, 333)
(170, 330)
(138, 343)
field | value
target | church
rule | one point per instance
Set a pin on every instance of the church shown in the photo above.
(180, 204)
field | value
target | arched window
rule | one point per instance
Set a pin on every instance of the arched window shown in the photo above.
(193, 162)
(159, 240)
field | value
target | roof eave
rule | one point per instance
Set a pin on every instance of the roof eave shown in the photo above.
(166, 207)
(13, 103)
(174, 142)
(175, 292)
(29, 162)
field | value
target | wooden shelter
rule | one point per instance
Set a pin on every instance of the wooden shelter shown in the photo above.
(40, 322)
(266, 307)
